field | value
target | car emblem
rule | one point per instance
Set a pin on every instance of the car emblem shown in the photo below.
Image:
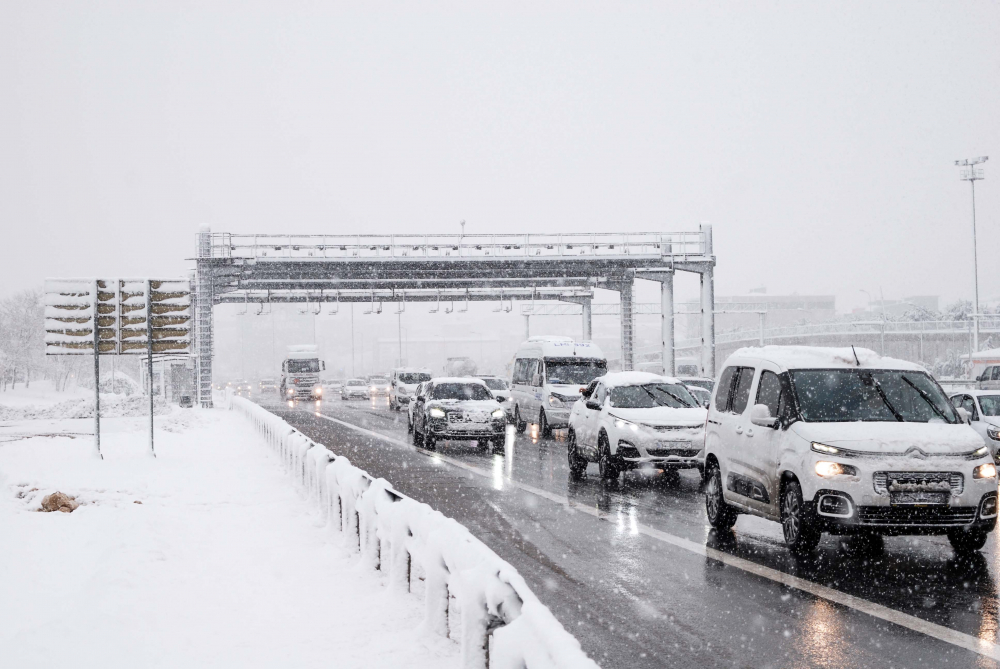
(915, 452)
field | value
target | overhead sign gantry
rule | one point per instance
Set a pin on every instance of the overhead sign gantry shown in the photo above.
(245, 268)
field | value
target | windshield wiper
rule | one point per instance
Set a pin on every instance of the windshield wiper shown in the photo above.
(926, 397)
(665, 392)
(885, 400)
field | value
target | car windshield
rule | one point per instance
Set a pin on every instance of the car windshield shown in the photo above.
(303, 366)
(707, 384)
(461, 391)
(355, 382)
(990, 404)
(378, 381)
(495, 384)
(651, 395)
(841, 395)
(574, 372)
(410, 378)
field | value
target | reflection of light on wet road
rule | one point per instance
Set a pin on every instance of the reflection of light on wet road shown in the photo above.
(823, 637)
(510, 436)
(498, 472)
(633, 521)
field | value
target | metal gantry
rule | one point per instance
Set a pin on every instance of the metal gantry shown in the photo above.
(245, 268)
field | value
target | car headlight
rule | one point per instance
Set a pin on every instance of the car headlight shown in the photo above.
(621, 424)
(499, 413)
(985, 471)
(318, 391)
(823, 448)
(436, 413)
(827, 469)
(994, 433)
(555, 401)
(980, 452)
(290, 391)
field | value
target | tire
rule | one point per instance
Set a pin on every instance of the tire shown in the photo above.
(577, 463)
(429, 443)
(801, 535)
(720, 515)
(608, 467)
(519, 424)
(409, 423)
(967, 542)
(497, 444)
(418, 440)
(544, 429)
(482, 445)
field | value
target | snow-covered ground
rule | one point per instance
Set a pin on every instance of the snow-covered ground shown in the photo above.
(203, 557)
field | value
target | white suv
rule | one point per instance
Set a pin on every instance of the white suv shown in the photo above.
(847, 442)
(629, 420)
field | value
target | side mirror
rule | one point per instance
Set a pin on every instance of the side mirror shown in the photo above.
(584, 393)
(592, 404)
(761, 415)
(536, 380)
(964, 415)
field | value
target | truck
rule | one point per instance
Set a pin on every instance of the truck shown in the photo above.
(300, 373)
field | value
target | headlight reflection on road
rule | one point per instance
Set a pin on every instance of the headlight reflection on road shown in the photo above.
(498, 472)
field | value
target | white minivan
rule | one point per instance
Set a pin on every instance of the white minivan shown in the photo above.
(844, 441)
(547, 377)
(403, 383)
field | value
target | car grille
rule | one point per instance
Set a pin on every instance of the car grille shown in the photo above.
(953, 482)
(679, 452)
(908, 515)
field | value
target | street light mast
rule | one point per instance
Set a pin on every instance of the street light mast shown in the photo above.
(972, 174)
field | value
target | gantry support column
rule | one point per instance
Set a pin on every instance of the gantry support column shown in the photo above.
(666, 281)
(627, 322)
(586, 314)
(204, 299)
(708, 310)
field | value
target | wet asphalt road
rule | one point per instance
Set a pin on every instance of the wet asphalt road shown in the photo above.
(636, 601)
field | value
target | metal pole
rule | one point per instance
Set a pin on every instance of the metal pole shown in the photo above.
(97, 380)
(588, 312)
(353, 373)
(399, 326)
(975, 267)
(762, 314)
(708, 309)
(149, 355)
(667, 324)
(627, 324)
(527, 327)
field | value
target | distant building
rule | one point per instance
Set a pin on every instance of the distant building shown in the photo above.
(739, 312)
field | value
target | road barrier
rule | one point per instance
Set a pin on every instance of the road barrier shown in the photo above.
(469, 591)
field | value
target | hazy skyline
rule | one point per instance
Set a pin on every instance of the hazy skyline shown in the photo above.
(817, 138)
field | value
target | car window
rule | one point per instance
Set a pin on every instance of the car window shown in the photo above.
(848, 395)
(495, 384)
(651, 395)
(725, 389)
(600, 394)
(769, 392)
(996, 373)
(741, 393)
(990, 405)
(461, 391)
(969, 404)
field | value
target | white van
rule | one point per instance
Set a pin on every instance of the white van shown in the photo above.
(844, 441)
(404, 383)
(548, 375)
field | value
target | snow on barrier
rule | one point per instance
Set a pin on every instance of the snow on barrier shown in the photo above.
(469, 591)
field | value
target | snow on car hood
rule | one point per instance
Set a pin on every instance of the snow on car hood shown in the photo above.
(691, 417)
(469, 405)
(894, 437)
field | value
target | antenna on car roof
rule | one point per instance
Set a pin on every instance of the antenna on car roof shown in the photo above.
(855, 355)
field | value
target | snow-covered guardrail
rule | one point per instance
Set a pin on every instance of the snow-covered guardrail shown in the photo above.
(469, 591)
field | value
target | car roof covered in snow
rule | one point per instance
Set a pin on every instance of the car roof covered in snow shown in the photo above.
(458, 379)
(548, 346)
(615, 379)
(819, 357)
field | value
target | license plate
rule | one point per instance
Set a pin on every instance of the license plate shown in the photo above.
(675, 445)
(919, 497)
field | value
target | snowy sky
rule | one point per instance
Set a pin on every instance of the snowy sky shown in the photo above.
(818, 138)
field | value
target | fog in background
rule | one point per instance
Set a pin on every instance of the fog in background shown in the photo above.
(817, 138)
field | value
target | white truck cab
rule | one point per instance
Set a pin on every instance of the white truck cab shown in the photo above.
(300, 373)
(547, 377)
(844, 441)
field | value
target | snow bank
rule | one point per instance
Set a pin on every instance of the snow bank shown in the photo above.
(467, 588)
(112, 406)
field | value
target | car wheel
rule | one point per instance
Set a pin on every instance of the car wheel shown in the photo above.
(720, 515)
(519, 425)
(801, 535)
(543, 425)
(409, 423)
(482, 445)
(608, 467)
(577, 463)
(966, 542)
(498, 443)
(430, 444)
(418, 439)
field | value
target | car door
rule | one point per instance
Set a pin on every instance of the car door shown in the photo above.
(594, 417)
(978, 424)
(763, 444)
(519, 385)
(419, 415)
(743, 478)
(715, 434)
(580, 416)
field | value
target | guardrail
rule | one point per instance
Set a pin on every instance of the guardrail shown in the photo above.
(501, 623)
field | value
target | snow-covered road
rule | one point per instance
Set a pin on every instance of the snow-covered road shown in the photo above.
(202, 557)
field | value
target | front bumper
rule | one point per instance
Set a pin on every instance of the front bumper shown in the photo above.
(837, 513)
(442, 429)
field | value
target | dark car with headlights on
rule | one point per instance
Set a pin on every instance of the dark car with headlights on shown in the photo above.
(458, 408)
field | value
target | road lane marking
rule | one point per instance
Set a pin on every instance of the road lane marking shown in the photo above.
(913, 623)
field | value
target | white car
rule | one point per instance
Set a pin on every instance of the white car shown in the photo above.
(354, 388)
(460, 408)
(983, 407)
(501, 390)
(628, 420)
(378, 385)
(844, 441)
(703, 396)
(403, 384)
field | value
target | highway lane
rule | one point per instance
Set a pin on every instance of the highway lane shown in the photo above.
(634, 601)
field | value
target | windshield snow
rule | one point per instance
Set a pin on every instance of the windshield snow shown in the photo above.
(841, 395)
(652, 395)
(461, 391)
(574, 372)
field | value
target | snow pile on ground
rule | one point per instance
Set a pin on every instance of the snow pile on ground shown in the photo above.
(111, 406)
(201, 557)
(41, 393)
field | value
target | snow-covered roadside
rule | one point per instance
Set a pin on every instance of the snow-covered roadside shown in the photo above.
(219, 564)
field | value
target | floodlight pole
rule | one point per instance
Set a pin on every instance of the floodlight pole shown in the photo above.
(149, 355)
(972, 175)
(97, 378)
